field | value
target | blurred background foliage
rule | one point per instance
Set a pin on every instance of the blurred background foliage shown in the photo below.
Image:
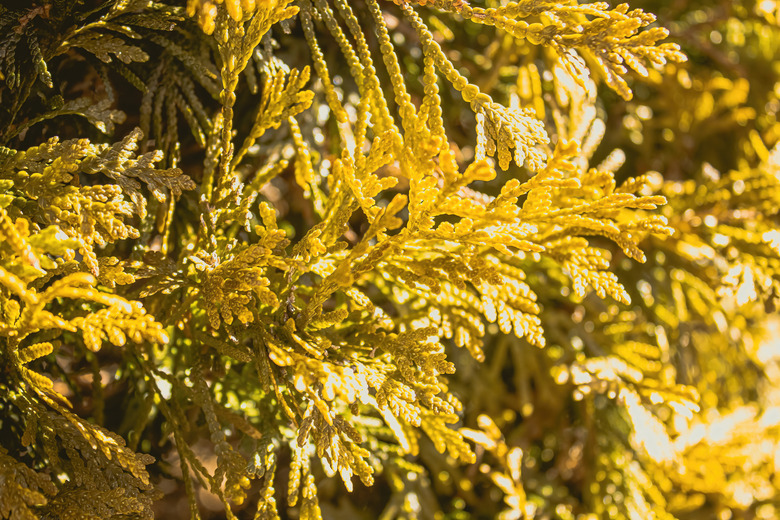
(664, 407)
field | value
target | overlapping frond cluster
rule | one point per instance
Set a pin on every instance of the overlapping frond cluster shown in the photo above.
(445, 264)
(45, 222)
(113, 39)
(391, 271)
(64, 203)
(632, 374)
(94, 215)
(612, 40)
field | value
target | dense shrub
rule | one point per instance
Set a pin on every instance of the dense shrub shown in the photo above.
(422, 260)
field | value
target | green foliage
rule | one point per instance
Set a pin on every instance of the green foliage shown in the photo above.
(419, 250)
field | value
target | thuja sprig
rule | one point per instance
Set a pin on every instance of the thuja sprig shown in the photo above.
(367, 286)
